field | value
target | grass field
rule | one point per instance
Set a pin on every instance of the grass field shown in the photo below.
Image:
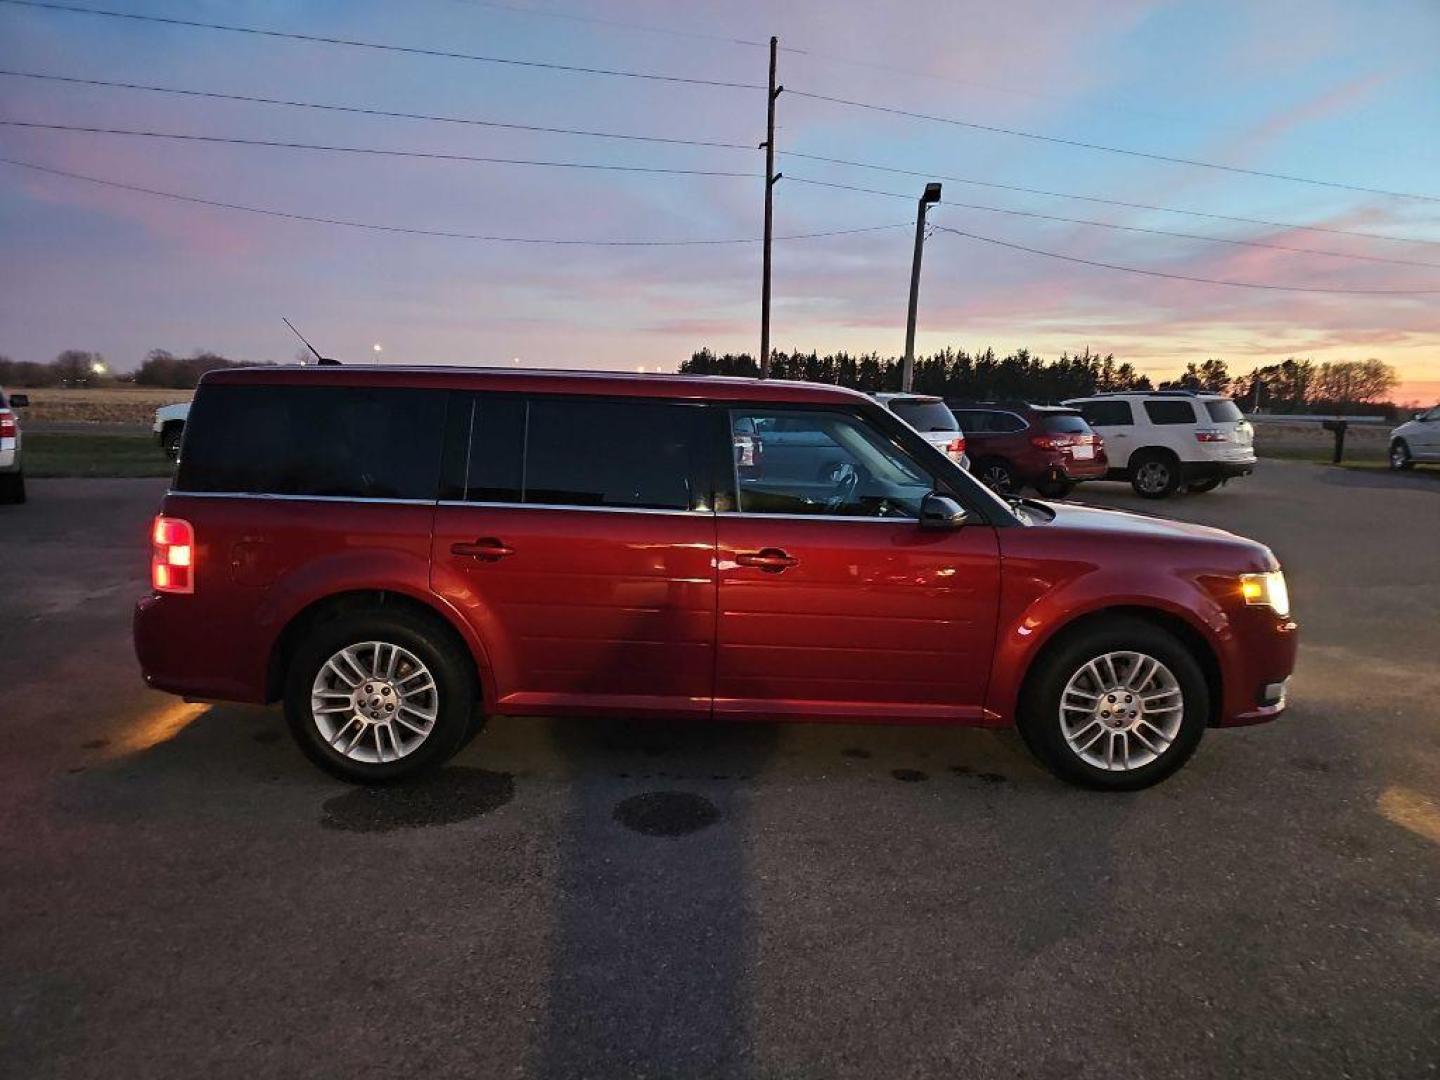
(110, 405)
(94, 455)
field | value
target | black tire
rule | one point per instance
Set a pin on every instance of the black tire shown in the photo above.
(1200, 487)
(1039, 714)
(170, 440)
(1400, 459)
(450, 666)
(12, 488)
(1154, 474)
(1055, 489)
(996, 474)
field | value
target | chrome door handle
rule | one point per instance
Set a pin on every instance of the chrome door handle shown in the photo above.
(487, 548)
(771, 560)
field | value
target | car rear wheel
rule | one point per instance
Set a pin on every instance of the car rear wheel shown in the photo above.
(996, 474)
(1200, 487)
(1154, 475)
(379, 696)
(12, 488)
(1118, 706)
(1400, 459)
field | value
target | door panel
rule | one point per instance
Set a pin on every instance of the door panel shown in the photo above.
(874, 620)
(594, 611)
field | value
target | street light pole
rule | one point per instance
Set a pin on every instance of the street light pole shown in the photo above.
(907, 368)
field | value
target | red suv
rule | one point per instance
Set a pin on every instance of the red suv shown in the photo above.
(396, 553)
(1045, 447)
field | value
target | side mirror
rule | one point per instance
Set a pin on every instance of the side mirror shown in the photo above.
(1413, 416)
(941, 512)
(19, 401)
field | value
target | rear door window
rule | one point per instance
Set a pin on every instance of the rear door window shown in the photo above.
(925, 415)
(635, 454)
(1170, 412)
(1107, 413)
(334, 441)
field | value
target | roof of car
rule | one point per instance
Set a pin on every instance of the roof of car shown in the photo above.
(1007, 406)
(537, 380)
(1203, 394)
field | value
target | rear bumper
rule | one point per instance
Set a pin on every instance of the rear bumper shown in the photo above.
(181, 654)
(1213, 470)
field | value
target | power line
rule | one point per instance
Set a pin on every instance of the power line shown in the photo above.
(1132, 228)
(353, 43)
(371, 150)
(1186, 277)
(362, 111)
(446, 234)
(1059, 141)
(1102, 201)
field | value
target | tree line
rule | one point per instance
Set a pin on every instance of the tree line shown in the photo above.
(1293, 386)
(75, 368)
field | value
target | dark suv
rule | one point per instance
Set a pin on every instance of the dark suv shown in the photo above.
(396, 553)
(1046, 447)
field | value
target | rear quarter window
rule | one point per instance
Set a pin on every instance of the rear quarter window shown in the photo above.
(336, 441)
(1170, 412)
(1224, 411)
(925, 415)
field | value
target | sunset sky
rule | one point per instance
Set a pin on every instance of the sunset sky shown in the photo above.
(1326, 89)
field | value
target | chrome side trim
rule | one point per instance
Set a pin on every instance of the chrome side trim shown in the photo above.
(582, 509)
(822, 517)
(296, 498)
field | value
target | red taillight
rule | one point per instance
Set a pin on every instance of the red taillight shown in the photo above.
(956, 447)
(1048, 442)
(7, 424)
(1204, 435)
(172, 555)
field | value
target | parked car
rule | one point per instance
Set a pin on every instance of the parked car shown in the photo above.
(930, 416)
(1047, 447)
(12, 466)
(1418, 439)
(169, 427)
(1163, 439)
(386, 549)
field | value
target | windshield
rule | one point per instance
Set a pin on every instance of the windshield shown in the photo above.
(1064, 424)
(925, 415)
(1224, 411)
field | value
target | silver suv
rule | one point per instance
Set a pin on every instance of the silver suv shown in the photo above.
(12, 470)
(1162, 439)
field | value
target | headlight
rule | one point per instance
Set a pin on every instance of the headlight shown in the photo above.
(1268, 590)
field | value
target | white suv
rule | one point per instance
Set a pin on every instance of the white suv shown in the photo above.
(1418, 439)
(1159, 440)
(12, 468)
(932, 418)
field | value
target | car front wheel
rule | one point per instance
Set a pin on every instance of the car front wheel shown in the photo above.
(1117, 706)
(1400, 459)
(374, 697)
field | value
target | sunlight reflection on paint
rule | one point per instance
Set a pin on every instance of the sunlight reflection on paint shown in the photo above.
(160, 725)
(1411, 810)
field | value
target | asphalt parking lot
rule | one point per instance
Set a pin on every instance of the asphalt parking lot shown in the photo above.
(183, 895)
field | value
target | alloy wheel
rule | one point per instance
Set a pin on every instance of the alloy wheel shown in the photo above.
(374, 702)
(1153, 476)
(1121, 711)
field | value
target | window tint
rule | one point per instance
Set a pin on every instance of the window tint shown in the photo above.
(925, 415)
(1433, 414)
(1006, 422)
(1170, 412)
(972, 421)
(356, 442)
(1224, 411)
(493, 472)
(1107, 413)
(612, 453)
(823, 462)
(1064, 424)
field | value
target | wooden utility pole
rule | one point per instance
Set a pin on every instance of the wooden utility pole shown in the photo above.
(770, 177)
